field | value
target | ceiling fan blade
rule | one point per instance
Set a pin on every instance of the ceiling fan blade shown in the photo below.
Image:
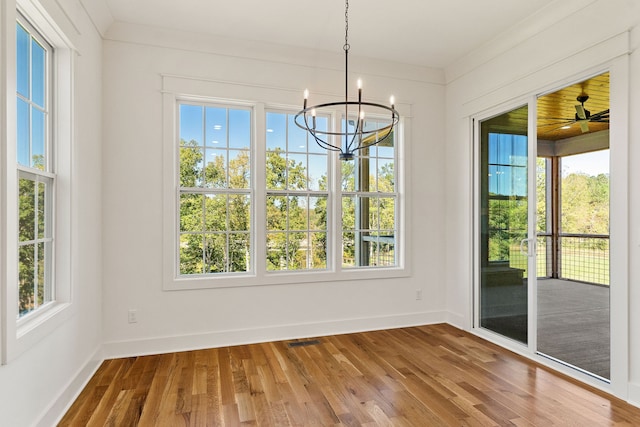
(580, 112)
(601, 115)
(584, 125)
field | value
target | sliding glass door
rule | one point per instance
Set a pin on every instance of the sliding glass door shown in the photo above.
(542, 226)
(503, 224)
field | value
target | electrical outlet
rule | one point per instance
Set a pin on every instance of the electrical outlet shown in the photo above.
(418, 294)
(133, 315)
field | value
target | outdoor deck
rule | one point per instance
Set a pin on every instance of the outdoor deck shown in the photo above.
(573, 324)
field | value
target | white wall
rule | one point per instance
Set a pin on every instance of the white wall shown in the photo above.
(535, 57)
(37, 385)
(134, 60)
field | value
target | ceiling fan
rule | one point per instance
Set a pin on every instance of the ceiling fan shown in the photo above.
(582, 116)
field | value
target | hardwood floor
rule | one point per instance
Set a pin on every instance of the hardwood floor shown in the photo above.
(431, 375)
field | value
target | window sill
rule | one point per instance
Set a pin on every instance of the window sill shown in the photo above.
(240, 280)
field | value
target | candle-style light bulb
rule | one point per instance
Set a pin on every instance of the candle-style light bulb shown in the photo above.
(306, 96)
(359, 90)
(359, 83)
(392, 101)
(313, 118)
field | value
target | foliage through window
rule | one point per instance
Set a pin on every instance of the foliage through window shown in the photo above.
(297, 192)
(215, 189)
(369, 200)
(292, 200)
(36, 178)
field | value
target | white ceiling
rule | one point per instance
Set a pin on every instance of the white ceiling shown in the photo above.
(431, 33)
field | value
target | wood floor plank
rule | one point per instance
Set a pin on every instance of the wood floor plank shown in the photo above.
(433, 375)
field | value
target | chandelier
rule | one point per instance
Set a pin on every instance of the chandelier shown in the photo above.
(347, 142)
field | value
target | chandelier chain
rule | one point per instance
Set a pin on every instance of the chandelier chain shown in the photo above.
(355, 134)
(346, 26)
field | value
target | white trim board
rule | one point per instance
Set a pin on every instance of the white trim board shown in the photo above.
(214, 339)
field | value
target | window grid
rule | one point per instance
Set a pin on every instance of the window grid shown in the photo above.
(36, 178)
(215, 189)
(369, 201)
(296, 196)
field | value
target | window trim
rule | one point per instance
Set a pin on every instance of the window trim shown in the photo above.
(262, 98)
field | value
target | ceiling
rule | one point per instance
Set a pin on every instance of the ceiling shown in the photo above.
(422, 32)
(556, 112)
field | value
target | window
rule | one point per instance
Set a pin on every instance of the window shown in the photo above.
(215, 189)
(36, 177)
(256, 201)
(37, 182)
(369, 202)
(297, 192)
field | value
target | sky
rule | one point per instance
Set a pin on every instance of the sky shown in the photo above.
(593, 163)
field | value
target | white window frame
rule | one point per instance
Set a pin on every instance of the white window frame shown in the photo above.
(261, 99)
(307, 193)
(46, 176)
(20, 334)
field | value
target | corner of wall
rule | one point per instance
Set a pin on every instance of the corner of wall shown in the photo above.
(52, 415)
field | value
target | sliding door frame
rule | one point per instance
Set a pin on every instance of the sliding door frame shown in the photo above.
(618, 68)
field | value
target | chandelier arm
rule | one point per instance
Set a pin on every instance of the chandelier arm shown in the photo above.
(322, 143)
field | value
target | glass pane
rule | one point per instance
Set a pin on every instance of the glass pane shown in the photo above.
(317, 213)
(26, 279)
(22, 134)
(240, 129)
(22, 60)
(38, 124)
(239, 169)
(41, 270)
(297, 172)
(386, 148)
(239, 213)
(38, 73)
(387, 206)
(191, 254)
(504, 204)
(298, 219)
(191, 160)
(215, 169)
(348, 213)
(322, 124)
(276, 171)
(318, 172)
(239, 252)
(386, 177)
(585, 193)
(276, 213)
(297, 137)
(276, 251)
(298, 250)
(42, 210)
(191, 126)
(318, 248)
(191, 214)
(27, 210)
(215, 253)
(348, 249)
(276, 131)
(215, 212)
(216, 127)
(348, 171)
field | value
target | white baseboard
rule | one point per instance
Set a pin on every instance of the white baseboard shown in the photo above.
(214, 339)
(70, 393)
(456, 320)
(634, 394)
